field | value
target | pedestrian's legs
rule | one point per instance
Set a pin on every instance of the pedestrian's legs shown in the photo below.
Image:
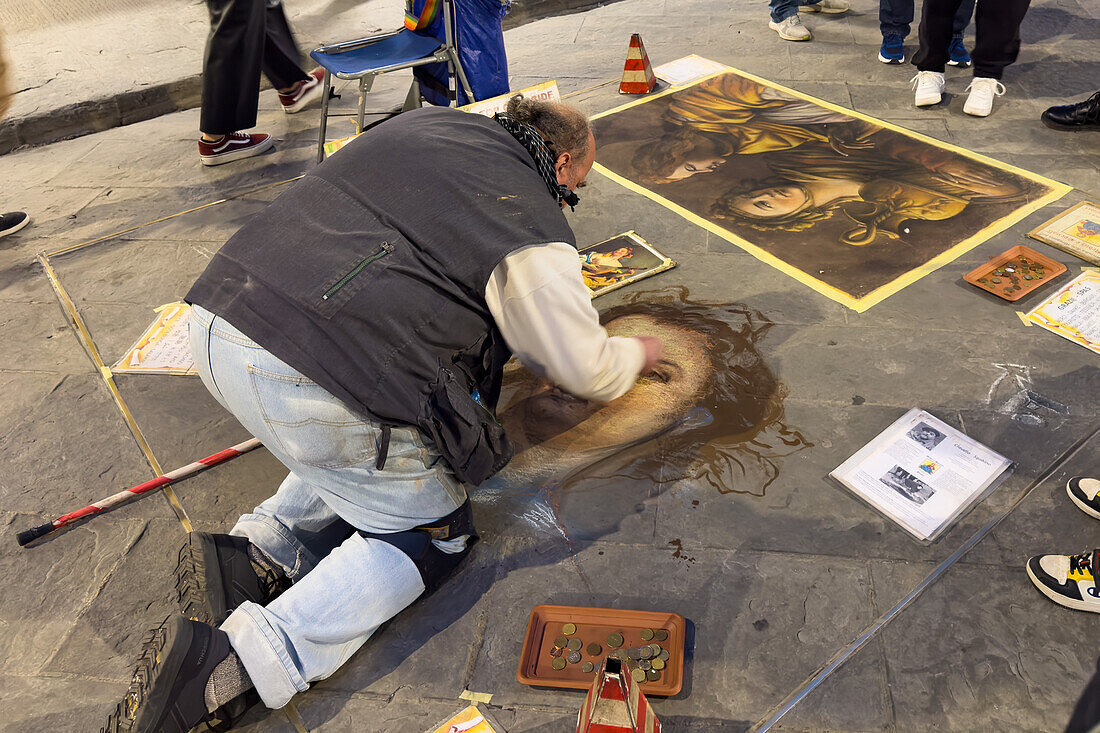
(231, 66)
(997, 29)
(894, 17)
(936, 22)
(962, 18)
(282, 59)
(782, 9)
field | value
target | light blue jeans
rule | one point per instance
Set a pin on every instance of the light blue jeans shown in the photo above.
(783, 9)
(345, 585)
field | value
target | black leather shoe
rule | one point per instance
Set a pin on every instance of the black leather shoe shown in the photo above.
(215, 575)
(1081, 116)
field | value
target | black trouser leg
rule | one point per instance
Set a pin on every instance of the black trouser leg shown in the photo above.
(282, 62)
(937, 20)
(231, 66)
(962, 18)
(1086, 715)
(997, 28)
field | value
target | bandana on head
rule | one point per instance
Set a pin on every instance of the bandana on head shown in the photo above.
(532, 141)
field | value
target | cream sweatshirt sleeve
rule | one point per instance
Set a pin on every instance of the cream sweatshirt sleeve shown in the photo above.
(543, 309)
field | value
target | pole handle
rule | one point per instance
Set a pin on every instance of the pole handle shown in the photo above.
(30, 535)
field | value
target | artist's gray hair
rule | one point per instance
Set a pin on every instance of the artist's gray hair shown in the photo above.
(564, 128)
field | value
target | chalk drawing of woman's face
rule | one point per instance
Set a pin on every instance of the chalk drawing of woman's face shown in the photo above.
(546, 424)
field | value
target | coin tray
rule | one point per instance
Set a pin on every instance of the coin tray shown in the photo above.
(593, 626)
(982, 276)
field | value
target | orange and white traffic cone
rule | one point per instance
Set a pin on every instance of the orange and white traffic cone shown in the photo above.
(615, 704)
(638, 75)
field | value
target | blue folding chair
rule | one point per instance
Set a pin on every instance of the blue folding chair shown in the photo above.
(366, 58)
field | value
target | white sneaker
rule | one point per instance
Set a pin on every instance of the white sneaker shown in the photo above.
(1084, 492)
(791, 29)
(1066, 579)
(827, 6)
(929, 86)
(982, 91)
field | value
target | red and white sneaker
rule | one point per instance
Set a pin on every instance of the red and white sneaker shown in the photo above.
(232, 147)
(304, 92)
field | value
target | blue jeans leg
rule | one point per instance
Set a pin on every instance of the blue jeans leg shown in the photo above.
(782, 9)
(895, 17)
(345, 586)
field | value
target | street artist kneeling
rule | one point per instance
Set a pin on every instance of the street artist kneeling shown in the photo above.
(359, 327)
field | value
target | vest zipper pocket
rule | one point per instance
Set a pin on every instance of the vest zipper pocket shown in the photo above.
(385, 250)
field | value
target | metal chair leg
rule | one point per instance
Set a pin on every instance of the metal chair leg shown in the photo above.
(412, 99)
(324, 116)
(462, 75)
(365, 84)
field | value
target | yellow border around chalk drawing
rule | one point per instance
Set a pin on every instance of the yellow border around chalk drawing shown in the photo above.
(1058, 190)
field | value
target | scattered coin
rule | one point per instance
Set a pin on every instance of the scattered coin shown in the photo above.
(645, 664)
(645, 653)
(1027, 277)
(996, 280)
(632, 653)
(587, 667)
(575, 645)
(560, 642)
(594, 650)
(631, 663)
(652, 675)
(574, 657)
(658, 664)
(639, 675)
(569, 629)
(663, 655)
(660, 635)
(646, 634)
(656, 650)
(615, 640)
(558, 664)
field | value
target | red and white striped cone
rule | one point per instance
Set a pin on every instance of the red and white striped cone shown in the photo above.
(615, 704)
(638, 75)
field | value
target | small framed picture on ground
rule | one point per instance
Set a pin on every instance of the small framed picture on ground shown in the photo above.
(619, 261)
(1075, 230)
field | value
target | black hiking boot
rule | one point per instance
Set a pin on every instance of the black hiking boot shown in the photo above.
(215, 575)
(166, 693)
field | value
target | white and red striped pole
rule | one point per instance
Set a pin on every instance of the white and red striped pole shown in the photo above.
(30, 535)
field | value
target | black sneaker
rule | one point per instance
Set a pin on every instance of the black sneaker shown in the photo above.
(1083, 492)
(12, 222)
(1081, 116)
(215, 575)
(167, 689)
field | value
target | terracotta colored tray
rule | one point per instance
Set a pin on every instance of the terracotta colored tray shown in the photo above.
(1013, 285)
(593, 626)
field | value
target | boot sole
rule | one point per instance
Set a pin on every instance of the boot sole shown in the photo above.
(153, 663)
(197, 574)
(892, 62)
(812, 9)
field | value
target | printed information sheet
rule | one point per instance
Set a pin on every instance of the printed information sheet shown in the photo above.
(164, 347)
(1074, 311)
(922, 473)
